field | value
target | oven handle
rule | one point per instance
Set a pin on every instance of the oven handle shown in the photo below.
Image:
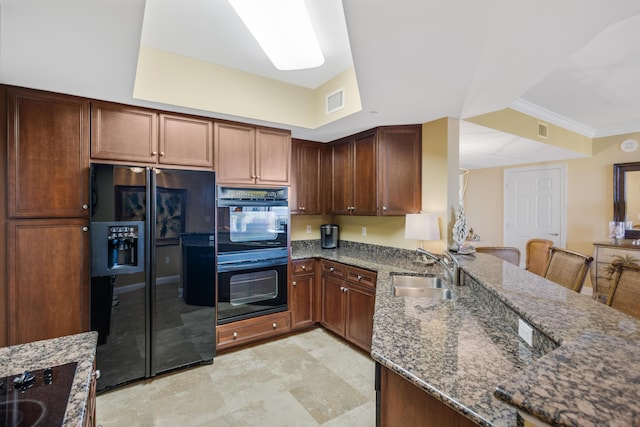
(250, 264)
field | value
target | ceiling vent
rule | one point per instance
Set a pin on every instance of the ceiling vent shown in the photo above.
(335, 101)
(543, 130)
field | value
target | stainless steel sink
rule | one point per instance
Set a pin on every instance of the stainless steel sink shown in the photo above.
(420, 286)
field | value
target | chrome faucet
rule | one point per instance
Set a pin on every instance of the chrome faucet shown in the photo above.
(447, 261)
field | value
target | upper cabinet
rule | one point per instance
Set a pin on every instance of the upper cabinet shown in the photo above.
(130, 134)
(248, 155)
(305, 192)
(48, 161)
(377, 172)
(399, 169)
(354, 176)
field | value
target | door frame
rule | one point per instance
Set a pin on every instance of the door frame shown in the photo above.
(507, 174)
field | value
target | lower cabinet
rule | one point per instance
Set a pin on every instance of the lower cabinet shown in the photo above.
(48, 278)
(90, 410)
(400, 402)
(347, 302)
(302, 293)
(254, 329)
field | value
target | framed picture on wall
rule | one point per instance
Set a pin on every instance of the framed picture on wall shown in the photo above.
(130, 205)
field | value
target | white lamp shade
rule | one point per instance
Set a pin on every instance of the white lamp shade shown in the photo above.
(422, 227)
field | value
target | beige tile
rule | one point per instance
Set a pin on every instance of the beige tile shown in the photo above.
(307, 379)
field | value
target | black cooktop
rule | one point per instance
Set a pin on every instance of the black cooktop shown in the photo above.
(36, 398)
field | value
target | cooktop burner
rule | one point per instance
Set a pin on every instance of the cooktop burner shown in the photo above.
(36, 398)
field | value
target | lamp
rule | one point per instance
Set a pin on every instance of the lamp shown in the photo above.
(283, 30)
(422, 226)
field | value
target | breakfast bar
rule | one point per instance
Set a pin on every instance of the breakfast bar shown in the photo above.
(580, 367)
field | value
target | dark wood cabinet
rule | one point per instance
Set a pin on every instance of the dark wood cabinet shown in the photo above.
(185, 141)
(400, 402)
(48, 278)
(247, 155)
(399, 169)
(251, 330)
(302, 293)
(47, 239)
(378, 172)
(121, 133)
(348, 302)
(354, 176)
(306, 177)
(48, 162)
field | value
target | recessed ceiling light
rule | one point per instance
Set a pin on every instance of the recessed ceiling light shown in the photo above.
(283, 30)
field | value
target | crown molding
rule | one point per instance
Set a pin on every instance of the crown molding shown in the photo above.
(538, 112)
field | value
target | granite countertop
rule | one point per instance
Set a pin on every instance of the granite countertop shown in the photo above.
(80, 348)
(581, 370)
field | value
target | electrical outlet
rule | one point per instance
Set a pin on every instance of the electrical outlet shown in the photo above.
(364, 231)
(308, 229)
(525, 331)
(167, 260)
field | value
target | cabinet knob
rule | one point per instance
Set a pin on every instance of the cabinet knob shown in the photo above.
(154, 153)
(304, 267)
(162, 154)
(384, 208)
(235, 335)
(331, 269)
(96, 374)
(85, 228)
(85, 206)
(359, 277)
(275, 325)
(257, 176)
(294, 283)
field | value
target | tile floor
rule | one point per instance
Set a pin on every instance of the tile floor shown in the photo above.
(308, 379)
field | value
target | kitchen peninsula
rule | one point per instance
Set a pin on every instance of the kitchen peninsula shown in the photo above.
(78, 350)
(466, 353)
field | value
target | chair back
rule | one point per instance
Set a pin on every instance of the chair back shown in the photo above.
(537, 251)
(507, 253)
(567, 268)
(625, 290)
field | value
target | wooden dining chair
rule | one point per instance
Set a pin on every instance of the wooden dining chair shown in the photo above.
(625, 289)
(507, 253)
(537, 255)
(567, 268)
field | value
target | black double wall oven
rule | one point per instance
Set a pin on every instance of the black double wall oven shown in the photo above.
(253, 241)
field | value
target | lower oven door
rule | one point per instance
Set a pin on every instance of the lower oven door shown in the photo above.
(250, 289)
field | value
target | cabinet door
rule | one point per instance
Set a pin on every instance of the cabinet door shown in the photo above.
(399, 170)
(301, 299)
(273, 157)
(360, 303)
(186, 141)
(120, 132)
(48, 161)
(333, 304)
(305, 192)
(234, 158)
(342, 175)
(48, 273)
(365, 200)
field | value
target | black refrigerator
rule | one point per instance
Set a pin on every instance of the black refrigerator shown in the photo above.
(153, 270)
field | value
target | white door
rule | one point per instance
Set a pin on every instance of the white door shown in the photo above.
(534, 206)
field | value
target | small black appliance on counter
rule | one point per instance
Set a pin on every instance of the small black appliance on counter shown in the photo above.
(329, 236)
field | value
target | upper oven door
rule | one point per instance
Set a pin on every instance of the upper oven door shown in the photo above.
(244, 227)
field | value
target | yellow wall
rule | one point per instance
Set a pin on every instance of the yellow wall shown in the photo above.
(589, 195)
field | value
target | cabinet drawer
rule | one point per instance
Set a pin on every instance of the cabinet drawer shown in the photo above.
(302, 266)
(608, 255)
(362, 277)
(255, 329)
(334, 269)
